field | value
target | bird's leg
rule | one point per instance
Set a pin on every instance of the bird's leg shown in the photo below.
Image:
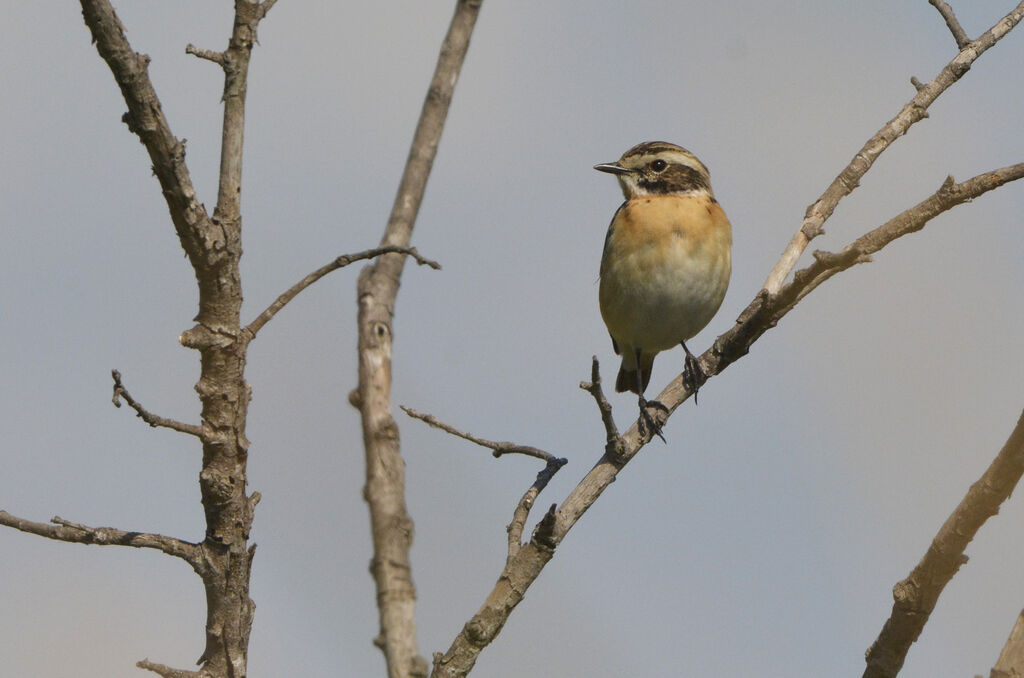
(693, 375)
(647, 422)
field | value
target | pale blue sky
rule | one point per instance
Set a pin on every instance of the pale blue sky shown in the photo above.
(763, 539)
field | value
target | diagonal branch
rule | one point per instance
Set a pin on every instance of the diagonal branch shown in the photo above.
(522, 512)
(915, 110)
(951, 22)
(145, 118)
(1011, 660)
(916, 595)
(152, 419)
(340, 262)
(763, 313)
(64, 530)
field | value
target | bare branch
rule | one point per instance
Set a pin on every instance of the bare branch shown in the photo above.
(167, 671)
(498, 448)
(951, 21)
(761, 314)
(377, 290)
(522, 512)
(1011, 660)
(949, 195)
(914, 111)
(153, 420)
(613, 445)
(265, 7)
(64, 530)
(145, 118)
(209, 55)
(916, 595)
(340, 262)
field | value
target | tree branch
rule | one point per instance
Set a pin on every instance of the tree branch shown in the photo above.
(915, 110)
(1011, 660)
(145, 118)
(64, 530)
(209, 55)
(377, 289)
(340, 262)
(153, 420)
(167, 671)
(761, 314)
(614, 446)
(214, 247)
(498, 448)
(951, 22)
(916, 595)
(522, 512)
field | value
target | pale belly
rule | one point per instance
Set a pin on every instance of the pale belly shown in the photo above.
(653, 300)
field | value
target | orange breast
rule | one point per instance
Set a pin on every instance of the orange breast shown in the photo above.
(665, 269)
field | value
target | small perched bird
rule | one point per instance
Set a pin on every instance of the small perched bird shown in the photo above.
(666, 263)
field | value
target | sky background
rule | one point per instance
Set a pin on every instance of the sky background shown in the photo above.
(763, 539)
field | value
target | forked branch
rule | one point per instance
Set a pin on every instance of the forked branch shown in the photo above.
(915, 110)
(522, 511)
(951, 22)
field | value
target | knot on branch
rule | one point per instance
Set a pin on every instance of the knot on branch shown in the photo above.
(202, 337)
(905, 593)
(544, 533)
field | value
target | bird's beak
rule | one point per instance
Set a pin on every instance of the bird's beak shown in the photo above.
(612, 168)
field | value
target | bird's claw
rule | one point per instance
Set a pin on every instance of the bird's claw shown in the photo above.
(693, 375)
(648, 425)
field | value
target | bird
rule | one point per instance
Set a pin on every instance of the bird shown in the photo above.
(666, 263)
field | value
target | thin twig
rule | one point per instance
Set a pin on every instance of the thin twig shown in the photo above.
(613, 441)
(951, 21)
(65, 530)
(498, 448)
(914, 111)
(340, 262)
(522, 510)
(916, 595)
(152, 419)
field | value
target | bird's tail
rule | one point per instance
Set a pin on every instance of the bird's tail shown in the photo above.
(628, 377)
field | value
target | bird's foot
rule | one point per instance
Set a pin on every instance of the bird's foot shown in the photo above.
(693, 375)
(648, 425)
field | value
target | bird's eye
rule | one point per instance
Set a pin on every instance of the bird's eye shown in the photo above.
(659, 165)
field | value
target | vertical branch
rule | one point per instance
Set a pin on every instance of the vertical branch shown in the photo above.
(378, 286)
(214, 248)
